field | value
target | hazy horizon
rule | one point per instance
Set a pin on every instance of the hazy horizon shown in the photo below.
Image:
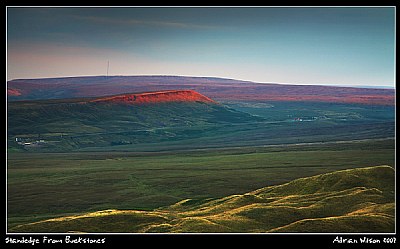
(337, 46)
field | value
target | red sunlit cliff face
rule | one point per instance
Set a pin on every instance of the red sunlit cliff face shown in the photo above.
(157, 97)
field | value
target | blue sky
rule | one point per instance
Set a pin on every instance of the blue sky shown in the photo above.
(335, 46)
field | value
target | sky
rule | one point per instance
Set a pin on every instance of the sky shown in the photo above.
(324, 45)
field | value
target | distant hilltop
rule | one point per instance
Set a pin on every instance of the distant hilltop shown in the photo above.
(219, 89)
(157, 97)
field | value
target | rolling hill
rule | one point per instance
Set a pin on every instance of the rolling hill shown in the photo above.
(219, 89)
(66, 124)
(347, 201)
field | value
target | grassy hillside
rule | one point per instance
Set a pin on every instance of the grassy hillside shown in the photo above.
(64, 125)
(354, 200)
(44, 185)
(75, 125)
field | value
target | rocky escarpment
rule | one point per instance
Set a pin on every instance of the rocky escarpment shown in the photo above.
(157, 97)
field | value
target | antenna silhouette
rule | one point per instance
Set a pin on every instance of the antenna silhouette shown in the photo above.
(108, 66)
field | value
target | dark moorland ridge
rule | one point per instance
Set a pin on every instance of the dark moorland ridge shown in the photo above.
(353, 201)
(215, 88)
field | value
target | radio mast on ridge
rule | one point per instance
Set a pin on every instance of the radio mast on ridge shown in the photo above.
(108, 66)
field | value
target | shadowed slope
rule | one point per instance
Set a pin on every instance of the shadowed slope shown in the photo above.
(120, 120)
(355, 200)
